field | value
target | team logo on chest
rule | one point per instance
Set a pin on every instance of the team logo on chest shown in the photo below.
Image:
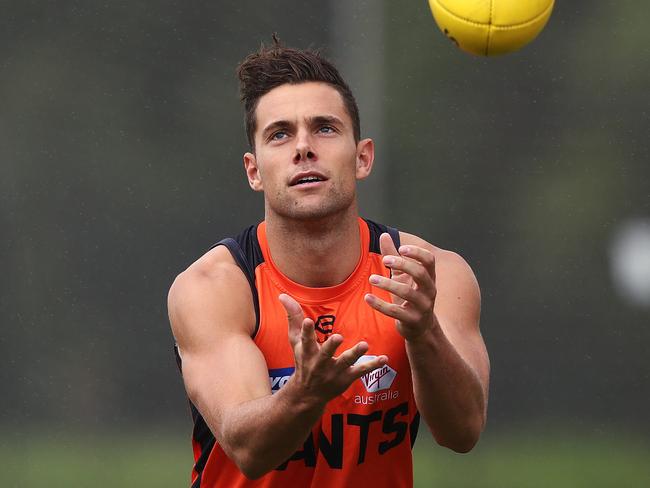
(379, 379)
(324, 327)
(377, 383)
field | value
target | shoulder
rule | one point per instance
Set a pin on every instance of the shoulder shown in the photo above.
(212, 292)
(215, 264)
(212, 270)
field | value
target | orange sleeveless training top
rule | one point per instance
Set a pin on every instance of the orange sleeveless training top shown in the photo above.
(366, 434)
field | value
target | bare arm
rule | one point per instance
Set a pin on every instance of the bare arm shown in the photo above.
(226, 377)
(437, 307)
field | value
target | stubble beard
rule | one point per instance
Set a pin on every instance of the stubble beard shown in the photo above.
(335, 202)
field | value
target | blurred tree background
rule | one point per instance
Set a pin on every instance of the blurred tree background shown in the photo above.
(121, 138)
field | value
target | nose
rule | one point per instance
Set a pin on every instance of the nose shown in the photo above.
(304, 149)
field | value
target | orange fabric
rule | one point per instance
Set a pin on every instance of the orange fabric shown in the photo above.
(363, 437)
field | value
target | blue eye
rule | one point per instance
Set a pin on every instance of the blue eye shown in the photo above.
(326, 129)
(278, 135)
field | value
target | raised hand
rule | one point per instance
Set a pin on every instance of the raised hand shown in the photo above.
(412, 286)
(318, 373)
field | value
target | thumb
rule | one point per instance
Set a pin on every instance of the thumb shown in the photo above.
(386, 245)
(387, 248)
(295, 315)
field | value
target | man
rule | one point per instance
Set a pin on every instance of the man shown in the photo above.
(312, 342)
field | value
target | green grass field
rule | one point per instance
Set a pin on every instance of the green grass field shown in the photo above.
(537, 460)
(517, 461)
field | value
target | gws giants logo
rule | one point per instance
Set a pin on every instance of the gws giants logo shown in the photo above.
(324, 326)
(379, 379)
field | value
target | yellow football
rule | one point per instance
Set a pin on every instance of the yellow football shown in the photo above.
(491, 27)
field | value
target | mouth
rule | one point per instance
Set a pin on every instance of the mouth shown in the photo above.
(307, 179)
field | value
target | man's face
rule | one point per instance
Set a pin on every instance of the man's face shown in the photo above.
(306, 160)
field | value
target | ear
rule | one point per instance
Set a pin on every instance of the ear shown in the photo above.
(253, 172)
(365, 158)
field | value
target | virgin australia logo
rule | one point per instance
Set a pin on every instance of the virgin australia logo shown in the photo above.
(379, 379)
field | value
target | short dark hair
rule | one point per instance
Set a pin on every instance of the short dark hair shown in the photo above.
(277, 65)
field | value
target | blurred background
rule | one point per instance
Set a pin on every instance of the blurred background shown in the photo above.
(121, 137)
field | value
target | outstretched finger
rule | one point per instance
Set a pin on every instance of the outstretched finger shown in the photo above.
(329, 347)
(425, 257)
(359, 369)
(295, 316)
(390, 309)
(350, 356)
(308, 337)
(401, 290)
(413, 268)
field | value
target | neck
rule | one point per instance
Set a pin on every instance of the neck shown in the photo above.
(315, 253)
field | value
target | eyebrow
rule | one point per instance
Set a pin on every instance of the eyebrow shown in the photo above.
(315, 120)
(325, 119)
(278, 124)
